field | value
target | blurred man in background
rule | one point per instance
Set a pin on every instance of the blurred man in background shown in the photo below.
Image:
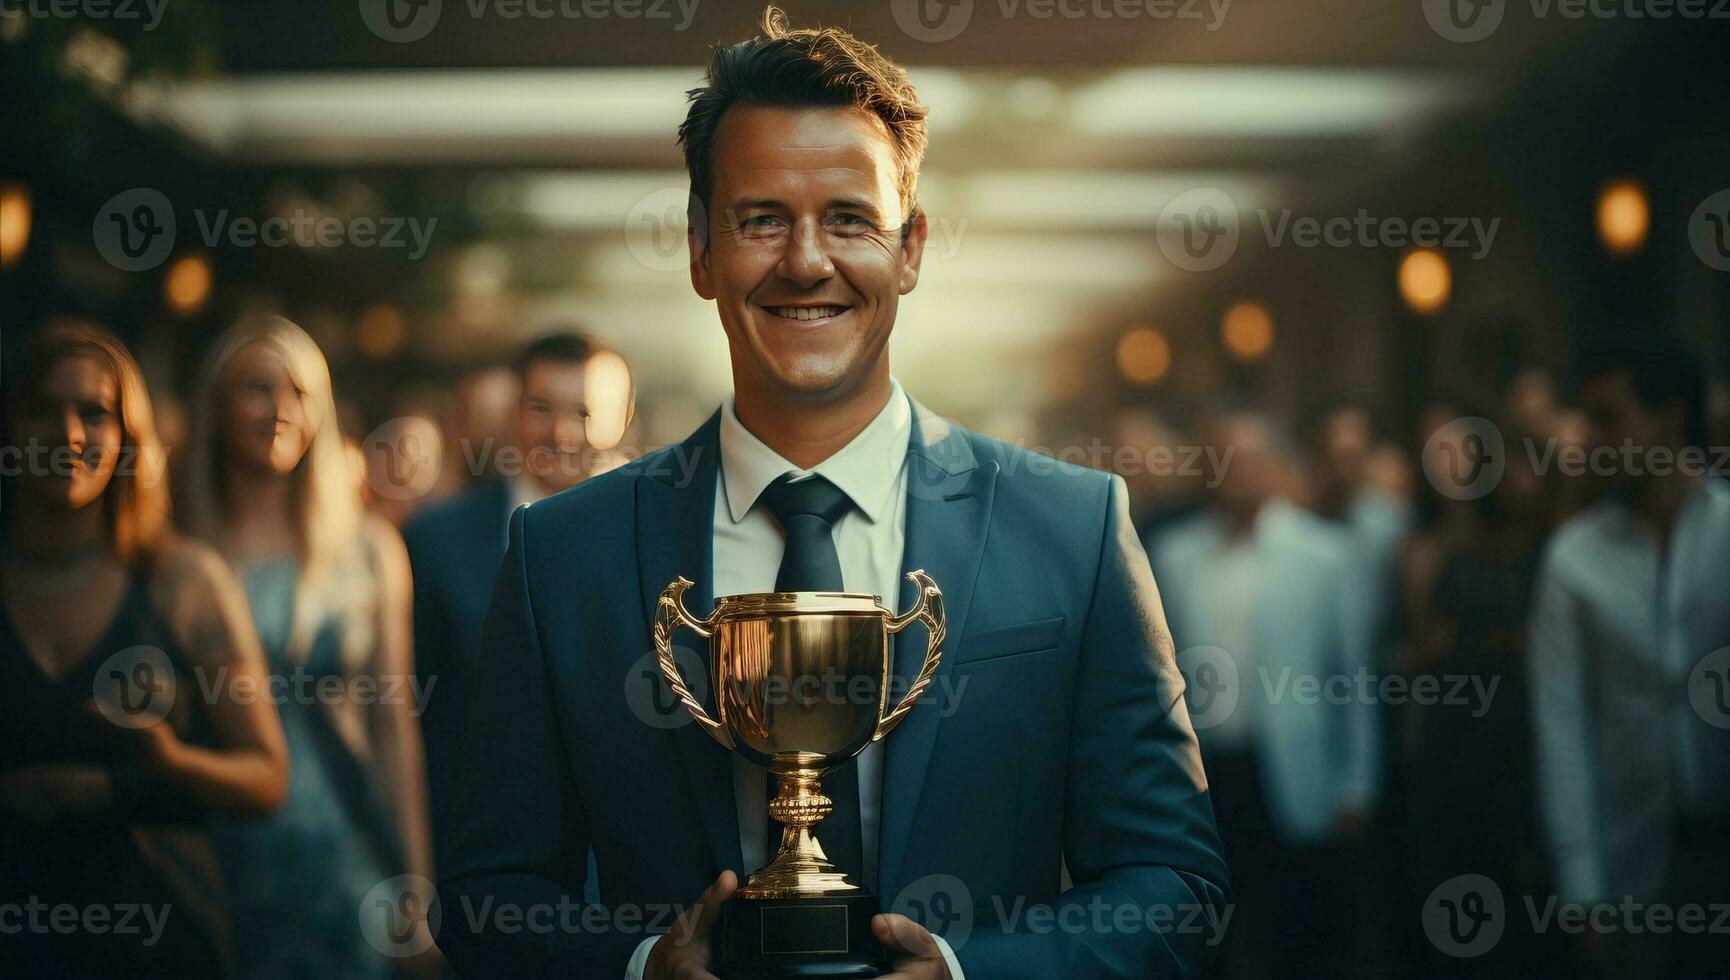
(1628, 638)
(571, 408)
(1270, 599)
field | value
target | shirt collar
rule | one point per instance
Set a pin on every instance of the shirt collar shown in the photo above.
(865, 469)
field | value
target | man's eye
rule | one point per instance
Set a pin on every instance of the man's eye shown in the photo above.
(760, 224)
(843, 223)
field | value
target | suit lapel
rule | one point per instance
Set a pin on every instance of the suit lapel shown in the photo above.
(948, 511)
(675, 536)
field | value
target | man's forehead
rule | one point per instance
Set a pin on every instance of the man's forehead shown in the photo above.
(826, 147)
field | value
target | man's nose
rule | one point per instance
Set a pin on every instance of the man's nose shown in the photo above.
(569, 430)
(806, 262)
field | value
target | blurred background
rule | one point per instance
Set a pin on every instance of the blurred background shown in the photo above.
(1118, 198)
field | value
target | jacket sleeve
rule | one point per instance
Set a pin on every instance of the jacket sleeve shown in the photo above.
(1149, 895)
(517, 837)
(1563, 732)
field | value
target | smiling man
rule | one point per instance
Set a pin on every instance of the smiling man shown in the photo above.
(1047, 790)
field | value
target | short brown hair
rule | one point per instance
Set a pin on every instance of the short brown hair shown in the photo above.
(824, 67)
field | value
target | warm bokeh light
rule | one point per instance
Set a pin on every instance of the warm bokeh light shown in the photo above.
(1425, 280)
(607, 394)
(1624, 215)
(1143, 355)
(1246, 330)
(14, 223)
(188, 284)
(379, 332)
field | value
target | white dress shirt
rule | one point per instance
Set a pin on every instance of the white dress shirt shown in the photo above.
(1618, 625)
(869, 539)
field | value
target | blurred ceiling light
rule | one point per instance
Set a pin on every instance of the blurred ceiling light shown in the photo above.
(187, 286)
(448, 114)
(1203, 100)
(1425, 280)
(380, 331)
(1143, 356)
(1093, 199)
(14, 223)
(1246, 329)
(607, 394)
(1624, 215)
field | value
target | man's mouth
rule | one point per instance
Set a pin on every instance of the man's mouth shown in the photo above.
(806, 313)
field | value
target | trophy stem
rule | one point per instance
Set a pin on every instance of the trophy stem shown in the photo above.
(800, 869)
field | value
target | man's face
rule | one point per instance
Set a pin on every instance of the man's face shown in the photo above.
(806, 258)
(552, 423)
(1616, 416)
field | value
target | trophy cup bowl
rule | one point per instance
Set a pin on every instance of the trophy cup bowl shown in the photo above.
(801, 685)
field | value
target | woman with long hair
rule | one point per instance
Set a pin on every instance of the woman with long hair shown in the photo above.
(271, 485)
(125, 651)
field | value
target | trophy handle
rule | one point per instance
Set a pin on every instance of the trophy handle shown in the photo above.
(670, 614)
(928, 609)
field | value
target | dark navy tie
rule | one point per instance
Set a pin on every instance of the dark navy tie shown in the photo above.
(807, 511)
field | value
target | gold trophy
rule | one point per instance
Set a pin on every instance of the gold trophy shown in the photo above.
(769, 653)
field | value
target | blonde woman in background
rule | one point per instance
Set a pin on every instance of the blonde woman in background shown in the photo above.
(117, 744)
(272, 486)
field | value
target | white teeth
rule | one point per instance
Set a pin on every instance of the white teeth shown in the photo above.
(806, 312)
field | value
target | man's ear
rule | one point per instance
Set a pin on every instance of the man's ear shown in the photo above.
(912, 250)
(696, 241)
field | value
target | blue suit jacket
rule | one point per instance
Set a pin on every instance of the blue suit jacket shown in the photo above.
(1066, 738)
(454, 547)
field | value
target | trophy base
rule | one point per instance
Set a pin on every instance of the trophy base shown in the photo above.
(777, 938)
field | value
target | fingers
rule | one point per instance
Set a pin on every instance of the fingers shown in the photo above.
(694, 923)
(902, 935)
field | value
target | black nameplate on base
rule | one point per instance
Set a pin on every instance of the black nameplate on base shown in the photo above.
(777, 938)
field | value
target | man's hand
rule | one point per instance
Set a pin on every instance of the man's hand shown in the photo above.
(683, 953)
(913, 954)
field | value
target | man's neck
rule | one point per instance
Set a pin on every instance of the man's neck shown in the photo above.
(805, 433)
(1659, 499)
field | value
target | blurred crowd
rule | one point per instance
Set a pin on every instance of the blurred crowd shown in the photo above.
(1439, 677)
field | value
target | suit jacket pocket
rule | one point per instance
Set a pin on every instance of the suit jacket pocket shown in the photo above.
(1007, 641)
